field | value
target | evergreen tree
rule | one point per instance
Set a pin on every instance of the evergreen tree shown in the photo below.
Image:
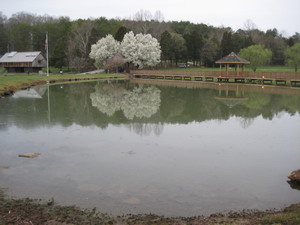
(194, 44)
(226, 44)
(121, 33)
(166, 45)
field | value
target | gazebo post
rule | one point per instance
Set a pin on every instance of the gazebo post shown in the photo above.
(227, 65)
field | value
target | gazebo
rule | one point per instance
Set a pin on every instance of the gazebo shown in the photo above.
(232, 59)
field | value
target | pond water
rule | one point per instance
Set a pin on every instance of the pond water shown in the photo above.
(173, 150)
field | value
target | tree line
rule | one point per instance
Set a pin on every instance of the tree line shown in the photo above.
(181, 42)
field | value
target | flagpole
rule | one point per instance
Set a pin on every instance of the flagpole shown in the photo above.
(47, 53)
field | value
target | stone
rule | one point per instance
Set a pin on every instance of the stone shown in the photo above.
(29, 155)
(295, 176)
(4, 167)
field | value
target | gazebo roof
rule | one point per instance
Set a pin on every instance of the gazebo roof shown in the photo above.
(232, 58)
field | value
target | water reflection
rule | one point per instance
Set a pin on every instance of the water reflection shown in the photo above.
(144, 109)
(141, 102)
(36, 92)
(294, 185)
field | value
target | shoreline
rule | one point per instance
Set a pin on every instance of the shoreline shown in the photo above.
(11, 83)
(30, 211)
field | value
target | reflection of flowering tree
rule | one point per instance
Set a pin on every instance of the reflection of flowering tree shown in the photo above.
(141, 102)
(105, 101)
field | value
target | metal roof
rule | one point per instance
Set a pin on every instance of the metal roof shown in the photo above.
(12, 57)
(232, 58)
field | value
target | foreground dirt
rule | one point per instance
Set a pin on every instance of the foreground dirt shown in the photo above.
(31, 212)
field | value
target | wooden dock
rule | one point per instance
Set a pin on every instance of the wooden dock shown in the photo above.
(267, 78)
(269, 89)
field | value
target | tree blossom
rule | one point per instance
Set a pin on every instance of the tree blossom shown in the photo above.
(105, 48)
(141, 49)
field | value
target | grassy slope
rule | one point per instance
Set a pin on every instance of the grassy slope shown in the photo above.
(13, 82)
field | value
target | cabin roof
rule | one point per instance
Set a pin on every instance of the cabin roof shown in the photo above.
(12, 57)
(232, 58)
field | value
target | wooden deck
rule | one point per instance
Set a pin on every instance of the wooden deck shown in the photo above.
(271, 78)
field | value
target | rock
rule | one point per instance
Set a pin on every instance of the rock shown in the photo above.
(295, 176)
(29, 155)
(4, 167)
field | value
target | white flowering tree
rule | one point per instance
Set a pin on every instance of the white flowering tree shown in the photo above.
(104, 49)
(140, 50)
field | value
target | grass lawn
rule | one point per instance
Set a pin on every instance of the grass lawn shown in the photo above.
(14, 82)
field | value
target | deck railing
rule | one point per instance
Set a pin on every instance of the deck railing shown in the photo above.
(287, 76)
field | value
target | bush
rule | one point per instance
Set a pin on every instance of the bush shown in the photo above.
(2, 70)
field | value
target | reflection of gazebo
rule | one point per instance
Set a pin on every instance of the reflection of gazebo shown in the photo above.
(231, 98)
(233, 59)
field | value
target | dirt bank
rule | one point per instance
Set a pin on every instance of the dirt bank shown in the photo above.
(29, 212)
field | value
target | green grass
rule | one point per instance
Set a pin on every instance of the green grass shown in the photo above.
(14, 82)
(291, 217)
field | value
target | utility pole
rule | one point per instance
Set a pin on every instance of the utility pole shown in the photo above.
(47, 54)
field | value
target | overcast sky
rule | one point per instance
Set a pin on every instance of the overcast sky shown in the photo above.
(281, 14)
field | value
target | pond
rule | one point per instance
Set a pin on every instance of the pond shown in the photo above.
(169, 148)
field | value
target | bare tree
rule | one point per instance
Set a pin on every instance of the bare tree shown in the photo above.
(3, 18)
(79, 45)
(159, 16)
(249, 25)
(23, 17)
(218, 33)
(145, 22)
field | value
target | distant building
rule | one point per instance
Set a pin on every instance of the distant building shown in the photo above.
(20, 62)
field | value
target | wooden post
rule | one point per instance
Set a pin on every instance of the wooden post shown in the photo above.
(227, 65)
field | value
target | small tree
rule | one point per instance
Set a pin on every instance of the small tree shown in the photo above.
(104, 49)
(257, 55)
(114, 63)
(293, 56)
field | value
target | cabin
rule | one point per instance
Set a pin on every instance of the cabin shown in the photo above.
(23, 62)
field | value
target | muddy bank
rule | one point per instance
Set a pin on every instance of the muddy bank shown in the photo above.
(28, 211)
